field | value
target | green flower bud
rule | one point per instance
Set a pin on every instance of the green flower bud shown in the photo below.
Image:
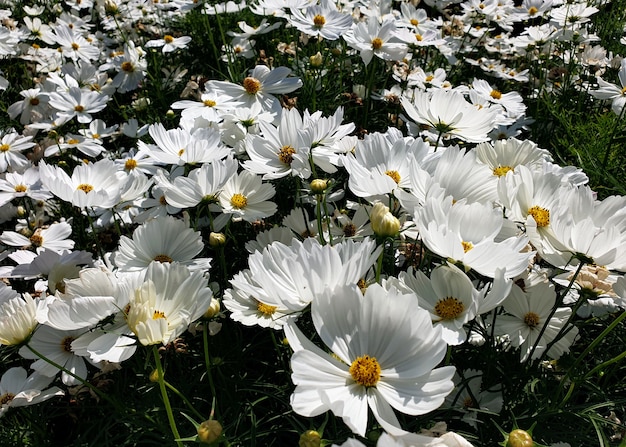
(318, 186)
(310, 438)
(217, 239)
(209, 431)
(519, 438)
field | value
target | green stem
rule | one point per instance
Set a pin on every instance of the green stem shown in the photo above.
(166, 400)
(379, 263)
(207, 359)
(320, 226)
(184, 399)
(99, 393)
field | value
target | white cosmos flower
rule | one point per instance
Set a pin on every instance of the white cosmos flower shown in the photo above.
(290, 276)
(449, 113)
(245, 196)
(200, 185)
(78, 103)
(169, 43)
(374, 39)
(448, 439)
(452, 300)
(17, 316)
(170, 298)
(503, 156)
(385, 351)
(18, 390)
(469, 233)
(96, 185)
(281, 150)
(529, 312)
(56, 345)
(166, 239)
(11, 146)
(54, 237)
(321, 19)
(259, 87)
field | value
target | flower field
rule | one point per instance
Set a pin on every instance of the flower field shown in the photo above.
(301, 223)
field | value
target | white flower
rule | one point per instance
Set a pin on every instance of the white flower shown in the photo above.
(17, 316)
(11, 147)
(170, 298)
(165, 239)
(449, 113)
(95, 185)
(18, 390)
(245, 196)
(322, 19)
(385, 351)
(78, 103)
(169, 43)
(54, 237)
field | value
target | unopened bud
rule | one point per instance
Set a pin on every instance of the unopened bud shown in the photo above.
(318, 186)
(217, 239)
(21, 211)
(519, 438)
(316, 60)
(214, 308)
(209, 431)
(170, 113)
(384, 224)
(310, 438)
(154, 376)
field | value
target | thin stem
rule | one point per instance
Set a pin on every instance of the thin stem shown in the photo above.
(207, 359)
(166, 400)
(184, 399)
(99, 393)
(379, 264)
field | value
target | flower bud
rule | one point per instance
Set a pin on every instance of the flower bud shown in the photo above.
(316, 60)
(318, 186)
(170, 113)
(519, 438)
(310, 438)
(154, 376)
(209, 431)
(384, 224)
(217, 239)
(214, 308)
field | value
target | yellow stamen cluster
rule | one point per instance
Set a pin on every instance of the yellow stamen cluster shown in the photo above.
(239, 201)
(130, 164)
(163, 258)
(541, 216)
(495, 94)
(531, 319)
(36, 240)
(6, 398)
(395, 175)
(34, 101)
(449, 308)
(415, 22)
(85, 187)
(265, 309)
(127, 67)
(66, 344)
(532, 11)
(168, 39)
(365, 370)
(251, 85)
(319, 21)
(285, 155)
(79, 108)
(209, 103)
(501, 170)
(20, 188)
(377, 43)
(75, 46)
(157, 315)
(467, 246)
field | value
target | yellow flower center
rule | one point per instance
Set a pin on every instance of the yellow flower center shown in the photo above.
(162, 200)
(73, 141)
(415, 22)
(531, 319)
(265, 309)
(181, 152)
(495, 94)
(251, 85)
(501, 170)
(467, 246)
(163, 258)
(624, 91)
(75, 46)
(429, 78)
(66, 344)
(449, 308)
(85, 187)
(377, 42)
(532, 11)
(127, 67)
(6, 398)
(362, 285)
(419, 37)
(395, 175)
(168, 39)
(319, 21)
(285, 155)
(79, 108)
(20, 188)
(130, 164)
(209, 103)
(238, 201)
(541, 216)
(157, 315)
(36, 240)
(349, 230)
(95, 136)
(365, 370)
(34, 101)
